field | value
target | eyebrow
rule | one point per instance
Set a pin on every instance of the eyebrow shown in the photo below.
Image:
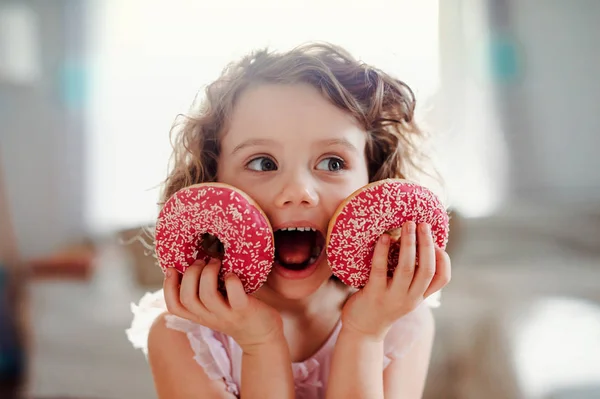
(322, 143)
(253, 143)
(340, 142)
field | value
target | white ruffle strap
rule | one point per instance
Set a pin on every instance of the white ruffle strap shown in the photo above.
(209, 352)
(150, 306)
(434, 300)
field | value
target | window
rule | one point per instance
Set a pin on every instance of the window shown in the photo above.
(151, 58)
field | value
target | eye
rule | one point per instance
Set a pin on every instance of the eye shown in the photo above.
(262, 164)
(332, 164)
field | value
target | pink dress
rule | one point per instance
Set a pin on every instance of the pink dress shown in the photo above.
(221, 357)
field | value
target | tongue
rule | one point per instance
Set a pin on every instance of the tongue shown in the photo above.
(293, 247)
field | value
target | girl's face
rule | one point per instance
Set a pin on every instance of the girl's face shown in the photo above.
(298, 156)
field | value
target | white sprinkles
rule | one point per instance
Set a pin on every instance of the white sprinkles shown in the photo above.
(376, 208)
(224, 213)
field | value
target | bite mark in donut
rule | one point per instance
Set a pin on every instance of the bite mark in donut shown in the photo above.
(369, 212)
(194, 214)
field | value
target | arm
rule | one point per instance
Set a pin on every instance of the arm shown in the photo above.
(256, 327)
(405, 376)
(266, 370)
(368, 317)
(176, 374)
(357, 365)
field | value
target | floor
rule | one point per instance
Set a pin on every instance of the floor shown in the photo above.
(80, 343)
(502, 265)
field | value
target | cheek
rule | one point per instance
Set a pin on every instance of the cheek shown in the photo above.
(246, 185)
(263, 195)
(227, 176)
(336, 195)
(260, 191)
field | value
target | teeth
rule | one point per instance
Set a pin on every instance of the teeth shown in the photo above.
(297, 229)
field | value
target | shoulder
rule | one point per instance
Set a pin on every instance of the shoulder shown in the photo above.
(174, 365)
(163, 339)
(421, 318)
(418, 321)
(408, 330)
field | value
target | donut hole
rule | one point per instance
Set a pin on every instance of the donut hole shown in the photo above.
(297, 249)
(211, 246)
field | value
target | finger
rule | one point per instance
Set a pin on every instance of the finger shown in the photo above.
(171, 294)
(426, 268)
(378, 278)
(405, 270)
(190, 285)
(238, 299)
(210, 296)
(443, 271)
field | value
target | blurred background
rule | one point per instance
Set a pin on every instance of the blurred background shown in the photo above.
(509, 88)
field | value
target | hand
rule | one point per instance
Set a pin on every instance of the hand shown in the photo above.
(249, 321)
(372, 310)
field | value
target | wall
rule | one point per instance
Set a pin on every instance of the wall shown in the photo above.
(547, 116)
(551, 111)
(41, 138)
(527, 134)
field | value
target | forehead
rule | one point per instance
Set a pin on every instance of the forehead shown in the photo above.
(289, 113)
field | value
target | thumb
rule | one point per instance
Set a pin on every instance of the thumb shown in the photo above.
(235, 292)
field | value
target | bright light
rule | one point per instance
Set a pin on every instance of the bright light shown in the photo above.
(151, 57)
(557, 346)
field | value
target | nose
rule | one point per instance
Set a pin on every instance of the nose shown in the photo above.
(297, 190)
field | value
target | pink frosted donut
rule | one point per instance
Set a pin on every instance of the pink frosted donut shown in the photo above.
(195, 217)
(379, 207)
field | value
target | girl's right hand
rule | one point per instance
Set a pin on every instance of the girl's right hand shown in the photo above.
(249, 321)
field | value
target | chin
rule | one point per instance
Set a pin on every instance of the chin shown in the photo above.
(297, 289)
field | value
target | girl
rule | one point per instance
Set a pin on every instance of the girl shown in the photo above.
(299, 132)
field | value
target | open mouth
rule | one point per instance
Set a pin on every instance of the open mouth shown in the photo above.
(297, 248)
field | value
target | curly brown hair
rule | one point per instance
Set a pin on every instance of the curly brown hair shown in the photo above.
(383, 106)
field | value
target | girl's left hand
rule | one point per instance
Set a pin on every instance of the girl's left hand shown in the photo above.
(372, 310)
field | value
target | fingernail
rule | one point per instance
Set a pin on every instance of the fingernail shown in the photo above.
(198, 262)
(425, 228)
(169, 272)
(411, 227)
(385, 239)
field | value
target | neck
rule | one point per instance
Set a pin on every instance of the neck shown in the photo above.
(330, 296)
